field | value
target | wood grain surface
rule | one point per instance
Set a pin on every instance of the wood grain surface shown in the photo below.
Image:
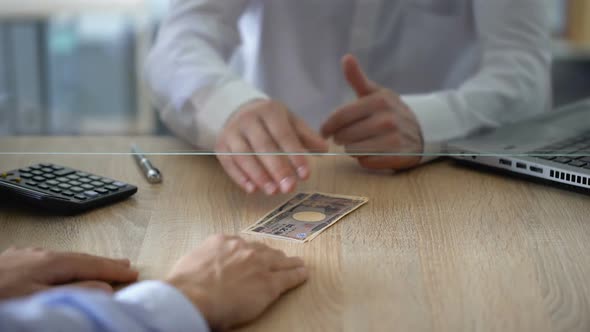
(440, 248)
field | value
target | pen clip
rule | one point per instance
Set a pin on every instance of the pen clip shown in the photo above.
(151, 173)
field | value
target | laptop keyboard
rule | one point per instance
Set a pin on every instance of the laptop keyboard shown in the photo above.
(573, 152)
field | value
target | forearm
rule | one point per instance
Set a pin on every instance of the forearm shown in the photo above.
(512, 81)
(188, 72)
(147, 306)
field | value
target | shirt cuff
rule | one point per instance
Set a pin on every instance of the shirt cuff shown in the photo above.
(437, 122)
(169, 308)
(219, 106)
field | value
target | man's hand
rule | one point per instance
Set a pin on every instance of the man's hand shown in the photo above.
(267, 127)
(377, 122)
(27, 271)
(232, 281)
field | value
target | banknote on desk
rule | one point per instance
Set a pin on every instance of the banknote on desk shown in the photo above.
(305, 216)
(283, 207)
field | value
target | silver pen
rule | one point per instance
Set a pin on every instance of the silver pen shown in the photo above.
(151, 173)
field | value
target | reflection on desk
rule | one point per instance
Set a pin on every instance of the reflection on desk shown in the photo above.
(440, 248)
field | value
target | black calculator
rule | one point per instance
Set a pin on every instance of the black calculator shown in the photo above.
(62, 189)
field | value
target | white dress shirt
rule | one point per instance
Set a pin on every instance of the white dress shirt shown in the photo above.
(460, 65)
(152, 306)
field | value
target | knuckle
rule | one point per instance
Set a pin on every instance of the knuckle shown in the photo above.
(388, 123)
(285, 135)
(250, 254)
(220, 144)
(257, 175)
(234, 244)
(37, 251)
(47, 255)
(246, 114)
(219, 237)
(244, 118)
(294, 148)
(274, 290)
(283, 170)
(11, 250)
(259, 179)
(266, 146)
(391, 95)
(258, 245)
(279, 253)
(248, 162)
(265, 104)
(244, 160)
(388, 98)
(223, 240)
(382, 101)
(259, 107)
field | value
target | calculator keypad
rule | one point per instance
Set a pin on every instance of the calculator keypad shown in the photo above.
(63, 182)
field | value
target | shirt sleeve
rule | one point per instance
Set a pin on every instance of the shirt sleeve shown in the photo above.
(512, 82)
(187, 70)
(146, 306)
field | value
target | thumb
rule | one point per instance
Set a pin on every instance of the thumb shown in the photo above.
(356, 77)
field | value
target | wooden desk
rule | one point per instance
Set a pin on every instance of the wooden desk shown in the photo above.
(441, 248)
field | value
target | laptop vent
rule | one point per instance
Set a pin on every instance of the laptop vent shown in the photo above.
(568, 177)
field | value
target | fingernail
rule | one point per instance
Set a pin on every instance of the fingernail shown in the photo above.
(302, 270)
(125, 261)
(302, 172)
(250, 187)
(287, 184)
(270, 188)
(104, 287)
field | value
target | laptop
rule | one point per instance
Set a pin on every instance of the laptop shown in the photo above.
(554, 147)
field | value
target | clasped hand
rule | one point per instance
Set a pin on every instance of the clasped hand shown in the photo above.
(229, 280)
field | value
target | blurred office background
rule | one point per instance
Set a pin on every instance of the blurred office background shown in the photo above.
(71, 66)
